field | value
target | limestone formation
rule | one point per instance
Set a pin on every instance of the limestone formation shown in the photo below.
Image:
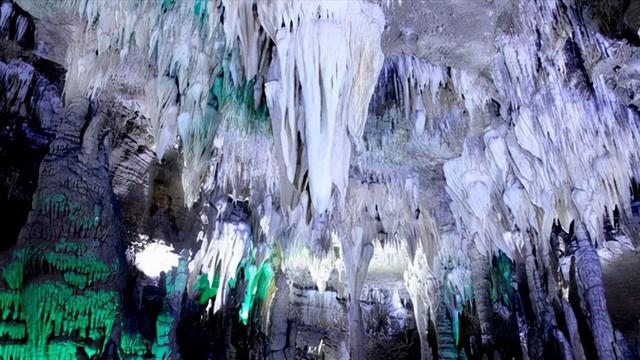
(319, 179)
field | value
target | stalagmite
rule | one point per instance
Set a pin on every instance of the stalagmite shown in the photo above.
(421, 286)
(592, 293)
(540, 300)
(83, 298)
(481, 293)
(280, 348)
(357, 253)
(167, 323)
(572, 327)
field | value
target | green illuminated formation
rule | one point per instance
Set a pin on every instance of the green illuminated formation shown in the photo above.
(57, 350)
(60, 288)
(133, 345)
(457, 295)
(59, 204)
(237, 101)
(229, 105)
(88, 266)
(161, 348)
(260, 282)
(167, 4)
(61, 311)
(226, 102)
(13, 273)
(253, 280)
(14, 331)
(501, 271)
(37, 312)
(10, 305)
(200, 10)
(63, 246)
(205, 290)
(78, 281)
(54, 310)
(176, 283)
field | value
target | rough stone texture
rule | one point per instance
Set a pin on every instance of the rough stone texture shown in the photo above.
(72, 241)
(590, 277)
(440, 31)
(30, 107)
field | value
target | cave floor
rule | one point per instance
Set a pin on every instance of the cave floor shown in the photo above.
(622, 286)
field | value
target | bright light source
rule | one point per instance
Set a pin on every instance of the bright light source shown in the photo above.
(155, 258)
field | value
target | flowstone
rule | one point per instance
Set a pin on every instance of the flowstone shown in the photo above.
(61, 284)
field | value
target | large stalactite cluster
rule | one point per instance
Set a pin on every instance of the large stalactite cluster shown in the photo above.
(319, 179)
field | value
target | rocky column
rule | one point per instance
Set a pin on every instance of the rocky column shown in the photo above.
(592, 293)
(357, 253)
(66, 273)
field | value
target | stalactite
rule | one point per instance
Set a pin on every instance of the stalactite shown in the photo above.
(230, 106)
(322, 54)
(134, 345)
(220, 257)
(259, 284)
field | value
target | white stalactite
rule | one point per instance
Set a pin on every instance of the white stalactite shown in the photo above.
(328, 59)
